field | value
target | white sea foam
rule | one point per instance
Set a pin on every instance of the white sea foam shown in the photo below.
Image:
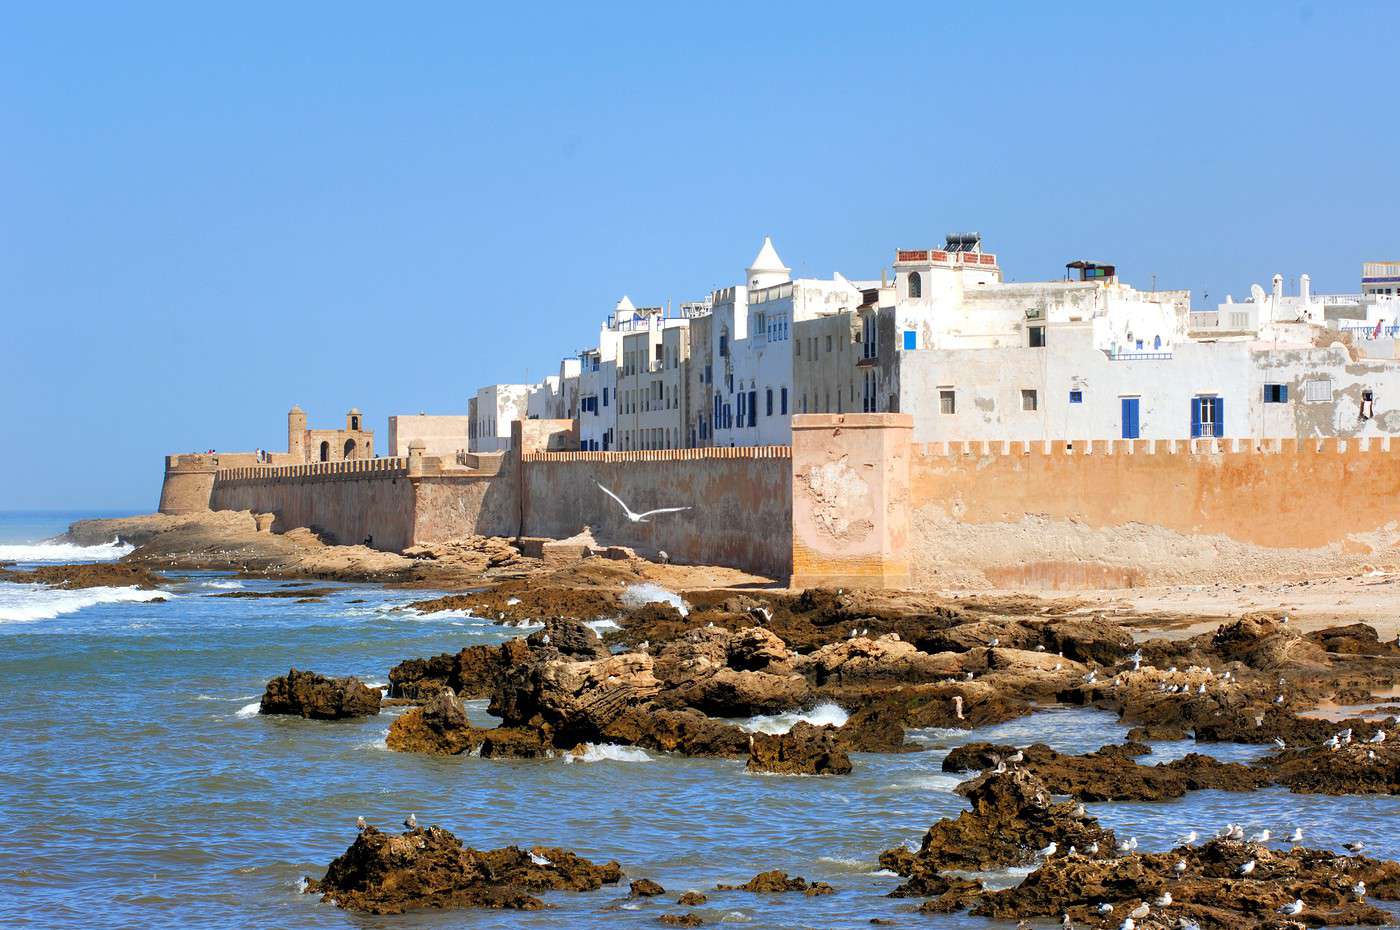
(821, 715)
(64, 552)
(248, 710)
(608, 752)
(638, 595)
(598, 626)
(222, 585)
(25, 603)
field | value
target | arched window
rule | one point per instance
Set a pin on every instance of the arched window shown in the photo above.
(1157, 342)
(349, 448)
(355, 423)
(916, 285)
(325, 452)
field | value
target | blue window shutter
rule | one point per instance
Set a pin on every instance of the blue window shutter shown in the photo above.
(911, 340)
(1195, 418)
(1219, 417)
(1283, 393)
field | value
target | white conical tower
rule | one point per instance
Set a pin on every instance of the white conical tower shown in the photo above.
(625, 309)
(767, 268)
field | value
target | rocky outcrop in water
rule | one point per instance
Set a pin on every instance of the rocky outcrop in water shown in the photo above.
(88, 575)
(803, 750)
(777, 881)
(386, 874)
(1111, 773)
(1204, 885)
(1013, 817)
(318, 697)
(1357, 767)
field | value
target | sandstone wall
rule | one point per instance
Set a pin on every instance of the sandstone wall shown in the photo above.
(349, 501)
(741, 502)
(1117, 513)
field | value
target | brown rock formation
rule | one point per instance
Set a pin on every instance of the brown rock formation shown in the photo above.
(777, 881)
(385, 874)
(308, 694)
(803, 750)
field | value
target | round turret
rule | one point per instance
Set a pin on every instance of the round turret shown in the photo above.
(296, 433)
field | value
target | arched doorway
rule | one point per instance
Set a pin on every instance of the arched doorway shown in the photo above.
(325, 452)
(349, 448)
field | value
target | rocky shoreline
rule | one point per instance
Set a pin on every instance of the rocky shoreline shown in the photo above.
(678, 670)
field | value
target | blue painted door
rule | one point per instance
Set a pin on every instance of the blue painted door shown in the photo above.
(1130, 418)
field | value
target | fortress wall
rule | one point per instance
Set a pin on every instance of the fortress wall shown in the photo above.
(349, 501)
(1063, 515)
(741, 500)
(448, 507)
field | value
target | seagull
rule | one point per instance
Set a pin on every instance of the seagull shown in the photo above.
(1050, 850)
(1137, 660)
(1333, 744)
(1163, 900)
(1297, 836)
(360, 824)
(1378, 738)
(539, 860)
(1079, 812)
(967, 677)
(1201, 689)
(1246, 867)
(1092, 849)
(1261, 837)
(1279, 699)
(957, 706)
(411, 822)
(1354, 848)
(1290, 910)
(1359, 889)
(1064, 922)
(639, 517)
(1128, 845)
(1139, 912)
(1280, 743)
(544, 639)
(1180, 866)
(1104, 908)
(1189, 838)
(994, 641)
(1092, 676)
(1128, 924)
(1017, 756)
(1183, 924)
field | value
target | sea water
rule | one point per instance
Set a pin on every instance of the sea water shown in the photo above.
(140, 788)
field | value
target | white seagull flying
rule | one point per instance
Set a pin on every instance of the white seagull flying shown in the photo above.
(639, 517)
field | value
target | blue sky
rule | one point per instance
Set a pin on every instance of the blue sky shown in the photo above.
(210, 213)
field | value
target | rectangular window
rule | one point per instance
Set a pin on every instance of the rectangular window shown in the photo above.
(1207, 417)
(798, 345)
(1037, 337)
(911, 340)
(947, 401)
(753, 408)
(1076, 397)
(782, 397)
(828, 344)
(1275, 393)
(1318, 391)
(770, 403)
(1028, 399)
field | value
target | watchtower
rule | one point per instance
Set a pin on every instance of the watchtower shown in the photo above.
(296, 434)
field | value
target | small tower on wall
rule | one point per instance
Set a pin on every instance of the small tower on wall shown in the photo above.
(296, 434)
(767, 268)
(352, 420)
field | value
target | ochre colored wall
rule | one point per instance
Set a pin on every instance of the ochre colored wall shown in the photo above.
(741, 502)
(850, 510)
(455, 507)
(1288, 494)
(349, 501)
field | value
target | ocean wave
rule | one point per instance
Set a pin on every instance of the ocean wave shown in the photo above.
(639, 595)
(222, 585)
(248, 710)
(598, 626)
(821, 715)
(608, 752)
(26, 603)
(64, 552)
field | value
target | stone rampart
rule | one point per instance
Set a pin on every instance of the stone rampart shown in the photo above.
(740, 500)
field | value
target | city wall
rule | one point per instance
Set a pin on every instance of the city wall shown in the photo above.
(740, 502)
(854, 502)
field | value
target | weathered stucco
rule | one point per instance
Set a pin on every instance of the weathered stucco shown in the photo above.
(348, 507)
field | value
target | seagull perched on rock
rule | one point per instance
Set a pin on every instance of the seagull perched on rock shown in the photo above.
(411, 822)
(1183, 924)
(639, 517)
(1297, 836)
(994, 641)
(1139, 912)
(1128, 924)
(1189, 838)
(1163, 900)
(1128, 845)
(1379, 737)
(1017, 756)
(1261, 837)
(1104, 908)
(1359, 889)
(1246, 867)
(1354, 848)
(1050, 850)
(1079, 812)
(360, 824)
(1180, 866)
(1291, 910)
(957, 706)
(1092, 849)
(1092, 676)
(539, 860)
(1280, 743)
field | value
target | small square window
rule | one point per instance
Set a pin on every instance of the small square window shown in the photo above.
(947, 401)
(1275, 393)
(911, 340)
(1037, 337)
(1076, 397)
(1028, 399)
